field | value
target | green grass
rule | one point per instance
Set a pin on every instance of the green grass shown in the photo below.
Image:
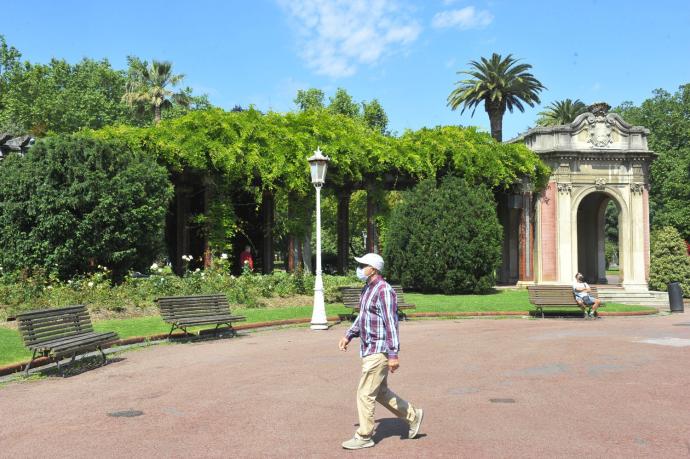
(11, 347)
(12, 350)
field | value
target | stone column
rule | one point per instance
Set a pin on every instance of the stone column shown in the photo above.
(636, 274)
(547, 254)
(566, 247)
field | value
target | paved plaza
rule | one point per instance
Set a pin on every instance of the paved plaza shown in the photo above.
(615, 387)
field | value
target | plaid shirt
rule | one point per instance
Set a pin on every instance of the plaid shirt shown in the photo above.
(377, 323)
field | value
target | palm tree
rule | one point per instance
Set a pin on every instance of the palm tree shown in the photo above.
(500, 83)
(561, 112)
(147, 86)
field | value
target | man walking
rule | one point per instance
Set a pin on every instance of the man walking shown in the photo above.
(377, 328)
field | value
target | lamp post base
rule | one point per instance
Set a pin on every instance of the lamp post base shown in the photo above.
(319, 326)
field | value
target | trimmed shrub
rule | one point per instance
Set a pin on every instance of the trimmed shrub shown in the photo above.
(669, 260)
(445, 238)
(73, 203)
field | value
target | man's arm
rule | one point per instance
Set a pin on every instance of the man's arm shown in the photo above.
(390, 323)
(352, 332)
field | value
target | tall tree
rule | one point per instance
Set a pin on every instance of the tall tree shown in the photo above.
(309, 99)
(499, 83)
(61, 97)
(375, 116)
(343, 104)
(561, 112)
(667, 116)
(148, 86)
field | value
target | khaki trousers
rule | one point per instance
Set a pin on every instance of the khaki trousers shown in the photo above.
(373, 387)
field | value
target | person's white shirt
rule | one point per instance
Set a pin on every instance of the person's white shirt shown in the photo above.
(579, 289)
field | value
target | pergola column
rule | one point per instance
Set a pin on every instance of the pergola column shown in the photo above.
(268, 219)
(182, 193)
(371, 222)
(343, 242)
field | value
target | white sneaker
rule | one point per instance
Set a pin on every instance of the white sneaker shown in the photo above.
(414, 426)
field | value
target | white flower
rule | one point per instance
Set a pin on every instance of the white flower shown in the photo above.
(49, 287)
(197, 270)
(231, 276)
(160, 270)
(223, 256)
(90, 284)
(154, 266)
(69, 281)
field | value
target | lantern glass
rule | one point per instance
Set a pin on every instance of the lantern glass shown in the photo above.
(318, 165)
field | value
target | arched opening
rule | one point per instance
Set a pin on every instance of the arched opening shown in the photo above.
(598, 223)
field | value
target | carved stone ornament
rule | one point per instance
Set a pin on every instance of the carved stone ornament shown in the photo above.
(600, 184)
(565, 188)
(599, 130)
(637, 188)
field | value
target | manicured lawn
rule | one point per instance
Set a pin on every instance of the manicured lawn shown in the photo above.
(12, 350)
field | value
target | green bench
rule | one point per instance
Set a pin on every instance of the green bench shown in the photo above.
(188, 311)
(555, 296)
(351, 300)
(61, 332)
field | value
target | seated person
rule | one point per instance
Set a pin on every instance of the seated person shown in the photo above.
(583, 297)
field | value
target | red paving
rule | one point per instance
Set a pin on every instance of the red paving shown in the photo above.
(490, 388)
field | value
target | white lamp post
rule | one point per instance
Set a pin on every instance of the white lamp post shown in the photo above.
(318, 165)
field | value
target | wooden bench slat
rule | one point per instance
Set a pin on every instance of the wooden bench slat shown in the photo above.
(50, 312)
(74, 341)
(184, 311)
(59, 332)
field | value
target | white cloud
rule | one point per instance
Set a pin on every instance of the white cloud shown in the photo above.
(464, 18)
(336, 36)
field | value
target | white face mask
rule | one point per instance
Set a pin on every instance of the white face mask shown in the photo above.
(360, 274)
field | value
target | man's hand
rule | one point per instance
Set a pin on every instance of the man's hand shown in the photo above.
(393, 364)
(342, 345)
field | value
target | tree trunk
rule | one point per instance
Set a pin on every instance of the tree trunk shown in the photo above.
(306, 252)
(496, 118)
(157, 114)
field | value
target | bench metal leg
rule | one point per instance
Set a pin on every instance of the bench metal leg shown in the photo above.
(59, 368)
(28, 365)
(103, 354)
(171, 330)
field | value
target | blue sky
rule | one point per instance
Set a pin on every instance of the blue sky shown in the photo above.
(403, 52)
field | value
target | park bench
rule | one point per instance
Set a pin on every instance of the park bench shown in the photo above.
(187, 311)
(351, 300)
(554, 296)
(61, 332)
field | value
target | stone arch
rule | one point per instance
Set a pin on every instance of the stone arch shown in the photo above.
(592, 266)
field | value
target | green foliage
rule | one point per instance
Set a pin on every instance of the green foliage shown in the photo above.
(468, 153)
(73, 202)
(375, 116)
(669, 260)
(667, 116)
(134, 296)
(499, 83)
(561, 112)
(445, 238)
(342, 104)
(61, 97)
(148, 87)
(310, 99)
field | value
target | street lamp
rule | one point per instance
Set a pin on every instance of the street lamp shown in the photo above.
(318, 165)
